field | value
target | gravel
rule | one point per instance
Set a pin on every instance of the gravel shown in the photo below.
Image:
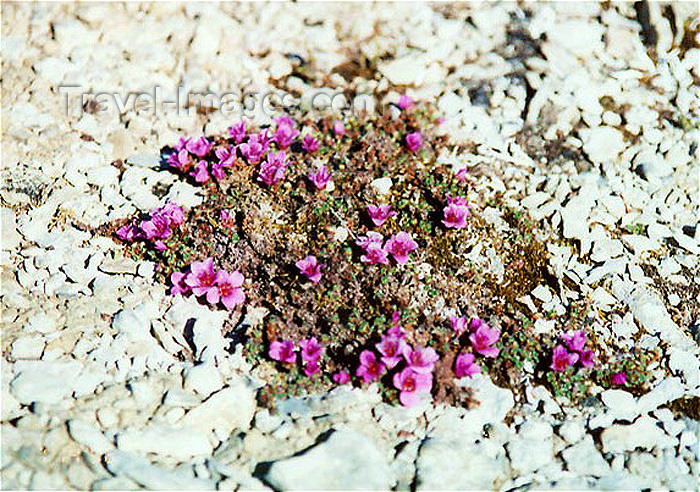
(572, 115)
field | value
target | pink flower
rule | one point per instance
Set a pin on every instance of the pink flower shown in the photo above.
(414, 141)
(375, 255)
(129, 232)
(182, 143)
(177, 279)
(283, 351)
(284, 121)
(400, 245)
(310, 267)
(619, 378)
(405, 101)
(586, 358)
(461, 174)
(483, 339)
(339, 128)
(285, 134)
(171, 211)
(413, 386)
(575, 341)
(341, 377)
(237, 132)
(199, 147)
(371, 239)
(370, 368)
(179, 159)
(273, 169)
(311, 368)
(396, 331)
(156, 227)
(229, 288)
(309, 143)
(320, 177)
(420, 359)
(199, 173)
(311, 350)
(226, 218)
(380, 213)
(252, 151)
(459, 324)
(217, 170)
(391, 348)
(561, 359)
(202, 278)
(226, 156)
(465, 366)
(455, 212)
(476, 323)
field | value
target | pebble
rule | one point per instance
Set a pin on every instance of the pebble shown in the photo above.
(89, 436)
(150, 476)
(230, 408)
(643, 433)
(203, 379)
(180, 444)
(584, 459)
(42, 381)
(28, 347)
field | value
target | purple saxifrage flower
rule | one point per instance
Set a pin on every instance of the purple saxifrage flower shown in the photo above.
(283, 351)
(465, 366)
(338, 129)
(392, 349)
(310, 267)
(455, 212)
(414, 141)
(374, 255)
(400, 245)
(309, 143)
(320, 177)
(413, 386)
(561, 358)
(311, 350)
(405, 101)
(370, 368)
(202, 279)
(483, 340)
(380, 213)
(341, 377)
(229, 288)
(237, 132)
(420, 359)
(459, 324)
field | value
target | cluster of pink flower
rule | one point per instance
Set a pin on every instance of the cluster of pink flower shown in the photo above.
(189, 157)
(576, 342)
(399, 246)
(483, 339)
(415, 380)
(456, 212)
(203, 279)
(156, 227)
(311, 351)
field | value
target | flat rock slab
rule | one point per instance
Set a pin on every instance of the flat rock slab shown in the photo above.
(347, 460)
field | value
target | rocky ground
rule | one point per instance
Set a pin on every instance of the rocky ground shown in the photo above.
(584, 114)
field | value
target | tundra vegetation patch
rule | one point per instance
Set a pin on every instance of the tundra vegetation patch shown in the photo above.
(373, 259)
